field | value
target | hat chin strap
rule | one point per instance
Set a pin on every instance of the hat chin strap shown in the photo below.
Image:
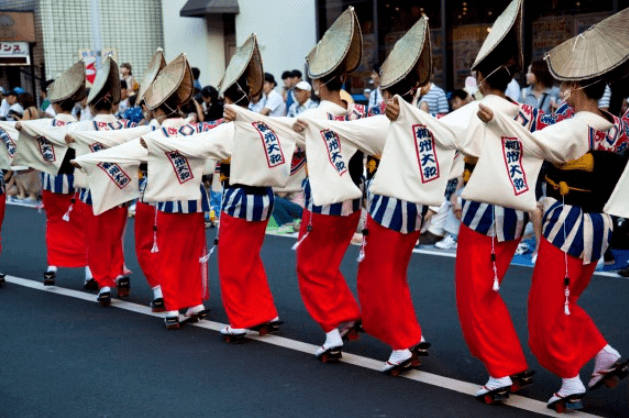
(244, 94)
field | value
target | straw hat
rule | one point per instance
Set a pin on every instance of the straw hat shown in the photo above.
(70, 84)
(174, 80)
(246, 61)
(411, 52)
(340, 48)
(108, 77)
(158, 62)
(598, 51)
(503, 45)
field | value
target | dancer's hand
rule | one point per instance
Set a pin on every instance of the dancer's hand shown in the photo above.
(485, 114)
(392, 110)
(229, 115)
(299, 126)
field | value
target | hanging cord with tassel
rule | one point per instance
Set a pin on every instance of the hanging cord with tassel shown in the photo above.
(361, 254)
(206, 257)
(566, 280)
(66, 216)
(496, 286)
(155, 248)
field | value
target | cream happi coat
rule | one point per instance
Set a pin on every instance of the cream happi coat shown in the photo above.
(37, 150)
(617, 205)
(511, 157)
(112, 173)
(9, 144)
(165, 182)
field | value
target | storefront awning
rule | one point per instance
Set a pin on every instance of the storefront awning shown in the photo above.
(200, 8)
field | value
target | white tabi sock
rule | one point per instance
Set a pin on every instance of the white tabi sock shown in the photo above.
(104, 290)
(88, 274)
(51, 269)
(333, 339)
(571, 386)
(157, 292)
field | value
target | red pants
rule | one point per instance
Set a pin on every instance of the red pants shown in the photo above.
(3, 205)
(562, 343)
(244, 287)
(65, 241)
(385, 297)
(181, 241)
(323, 288)
(484, 317)
(103, 236)
(149, 262)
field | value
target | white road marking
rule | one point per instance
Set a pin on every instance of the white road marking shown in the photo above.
(459, 386)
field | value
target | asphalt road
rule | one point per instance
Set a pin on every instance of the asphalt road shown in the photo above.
(67, 357)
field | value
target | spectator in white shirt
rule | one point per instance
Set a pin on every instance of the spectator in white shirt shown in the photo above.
(12, 104)
(256, 104)
(375, 97)
(302, 102)
(273, 102)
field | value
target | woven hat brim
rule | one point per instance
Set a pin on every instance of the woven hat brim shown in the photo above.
(173, 80)
(107, 78)
(247, 59)
(600, 50)
(157, 63)
(69, 85)
(510, 20)
(340, 48)
(411, 52)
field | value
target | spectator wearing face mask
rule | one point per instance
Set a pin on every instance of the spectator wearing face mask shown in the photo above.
(375, 97)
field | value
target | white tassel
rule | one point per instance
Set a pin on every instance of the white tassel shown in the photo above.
(155, 248)
(298, 243)
(206, 257)
(566, 306)
(66, 216)
(496, 286)
(361, 254)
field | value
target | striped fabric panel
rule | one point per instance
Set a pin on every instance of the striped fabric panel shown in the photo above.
(345, 208)
(577, 233)
(186, 206)
(397, 215)
(248, 206)
(60, 184)
(494, 221)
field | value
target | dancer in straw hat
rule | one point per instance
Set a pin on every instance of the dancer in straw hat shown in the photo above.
(324, 291)
(394, 225)
(575, 231)
(103, 233)
(245, 213)
(65, 240)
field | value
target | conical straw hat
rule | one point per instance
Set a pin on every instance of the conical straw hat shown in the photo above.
(108, 77)
(506, 29)
(247, 60)
(70, 84)
(157, 64)
(341, 47)
(412, 51)
(175, 79)
(594, 53)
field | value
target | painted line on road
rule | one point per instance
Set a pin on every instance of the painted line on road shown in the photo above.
(453, 255)
(515, 401)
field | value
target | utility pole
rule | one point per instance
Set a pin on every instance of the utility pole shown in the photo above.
(96, 33)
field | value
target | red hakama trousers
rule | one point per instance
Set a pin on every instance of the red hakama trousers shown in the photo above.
(3, 205)
(323, 288)
(65, 240)
(485, 320)
(244, 287)
(104, 235)
(181, 242)
(144, 240)
(385, 298)
(562, 343)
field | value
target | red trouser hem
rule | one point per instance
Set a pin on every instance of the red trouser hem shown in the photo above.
(323, 288)
(144, 239)
(485, 320)
(245, 290)
(103, 235)
(562, 343)
(65, 240)
(181, 241)
(385, 298)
